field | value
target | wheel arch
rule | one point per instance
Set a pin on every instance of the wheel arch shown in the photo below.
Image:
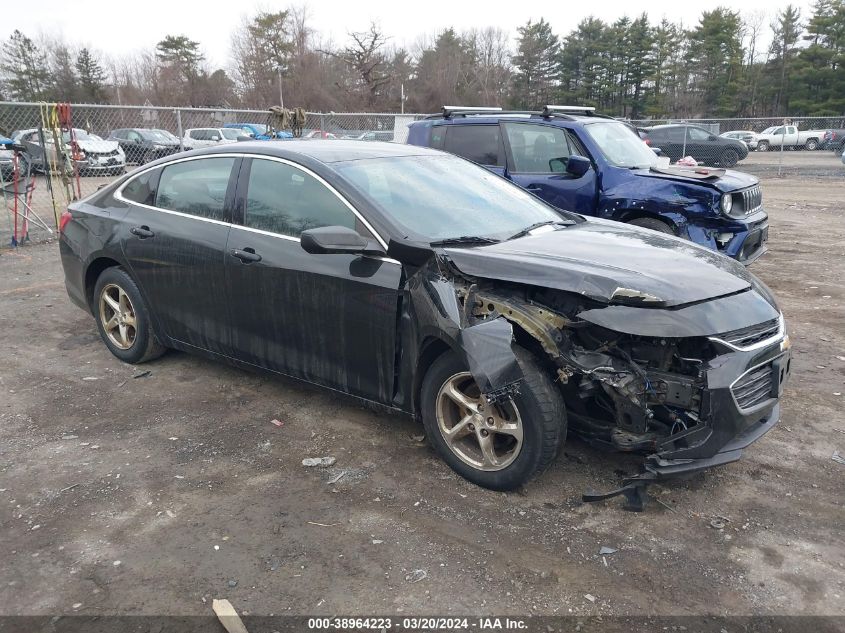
(626, 215)
(93, 271)
(430, 350)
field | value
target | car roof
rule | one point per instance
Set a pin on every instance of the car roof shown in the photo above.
(568, 118)
(326, 150)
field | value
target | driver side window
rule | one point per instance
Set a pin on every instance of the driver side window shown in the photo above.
(696, 134)
(539, 149)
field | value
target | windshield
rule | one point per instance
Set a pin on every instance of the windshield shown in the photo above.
(442, 197)
(620, 146)
(257, 127)
(157, 136)
(81, 135)
(769, 130)
(231, 134)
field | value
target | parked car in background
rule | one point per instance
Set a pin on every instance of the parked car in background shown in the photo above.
(746, 136)
(429, 286)
(318, 134)
(88, 153)
(834, 140)
(141, 145)
(258, 131)
(790, 137)
(370, 136)
(206, 136)
(7, 156)
(594, 165)
(680, 140)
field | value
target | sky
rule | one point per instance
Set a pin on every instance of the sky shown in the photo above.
(115, 28)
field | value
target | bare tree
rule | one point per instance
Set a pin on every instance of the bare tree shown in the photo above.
(365, 56)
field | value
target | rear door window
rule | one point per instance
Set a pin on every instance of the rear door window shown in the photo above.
(286, 200)
(196, 187)
(479, 143)
(142, 189)
(697, 134)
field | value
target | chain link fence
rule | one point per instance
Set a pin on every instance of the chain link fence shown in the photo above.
(110, 140)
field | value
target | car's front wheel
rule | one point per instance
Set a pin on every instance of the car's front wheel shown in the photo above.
(123, 318)
(495, 445)
(763, 146)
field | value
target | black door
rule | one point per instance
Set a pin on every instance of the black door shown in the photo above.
(329, 319)
(174, 238)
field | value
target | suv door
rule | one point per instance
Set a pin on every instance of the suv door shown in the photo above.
(174, 239)
(537, 155)
(328, 319)
(700, 147)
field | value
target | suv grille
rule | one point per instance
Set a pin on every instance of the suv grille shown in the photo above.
(752, 199)
(754, 387)
(748, 336)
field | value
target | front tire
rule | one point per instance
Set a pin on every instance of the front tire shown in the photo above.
(497, 446)
(729, 158)
(763, 146)
(654, 224)
(123, 318)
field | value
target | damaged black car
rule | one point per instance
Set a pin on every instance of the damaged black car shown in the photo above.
(422, 283)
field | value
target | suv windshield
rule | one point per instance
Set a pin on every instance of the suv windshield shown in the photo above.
(443, 197)
(620, 146)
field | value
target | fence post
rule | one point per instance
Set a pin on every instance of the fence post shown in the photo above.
(782, 143)
(322, 123)
(179, 129)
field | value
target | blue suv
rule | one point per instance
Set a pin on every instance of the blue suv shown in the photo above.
(595, 165)
(258, 131)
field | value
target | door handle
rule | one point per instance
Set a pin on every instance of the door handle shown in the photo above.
(247, 255)
(533, 188)
(142, 231)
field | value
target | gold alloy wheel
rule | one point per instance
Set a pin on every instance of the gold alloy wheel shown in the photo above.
(485, 436)
(117, 316)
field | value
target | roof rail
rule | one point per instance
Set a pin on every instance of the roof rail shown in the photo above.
(450, 110)
(551, 109)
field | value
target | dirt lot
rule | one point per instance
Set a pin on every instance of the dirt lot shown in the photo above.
(151, 495)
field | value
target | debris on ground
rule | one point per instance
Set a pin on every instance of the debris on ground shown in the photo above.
(418, 438)
(838, 458)
(90, 378)
(228, 617)
(277, 422)
(607, 550)
(232, 583)
(416, 575)
(70, 436)
(322, 462)
(336, 478)
(143, 374)
(717, 524)
(590, 597)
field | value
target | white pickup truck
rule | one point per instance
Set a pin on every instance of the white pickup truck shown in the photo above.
(790, 137)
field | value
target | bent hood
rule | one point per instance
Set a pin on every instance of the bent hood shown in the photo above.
(98, 147)
(609, 262)
(727, 180)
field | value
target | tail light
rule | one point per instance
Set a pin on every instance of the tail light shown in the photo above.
(63, 220)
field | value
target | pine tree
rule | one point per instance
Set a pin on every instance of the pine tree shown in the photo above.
(537, 64)
(786, 32)
(24, 69)
(91, 77)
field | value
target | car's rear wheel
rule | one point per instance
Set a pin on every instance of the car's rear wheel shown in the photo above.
(123, 318)
(495, 445)
(763, 146)
(811, 145)
(729, 158)
(654, 224)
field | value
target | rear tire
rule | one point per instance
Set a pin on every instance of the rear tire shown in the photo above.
(763, 146)
(654, 224)
(811, 145)
(537, 410)
(123, 318)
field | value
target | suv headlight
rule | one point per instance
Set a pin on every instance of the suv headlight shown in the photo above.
(727, 203)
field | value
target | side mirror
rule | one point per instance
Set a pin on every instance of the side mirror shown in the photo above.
(327, 240)
(657, 151)
(578, 166)
(214, 137)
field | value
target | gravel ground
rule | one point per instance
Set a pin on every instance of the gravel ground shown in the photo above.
(125, 493)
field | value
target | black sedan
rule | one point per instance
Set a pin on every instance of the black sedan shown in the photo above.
(678, 140)
(419, 282)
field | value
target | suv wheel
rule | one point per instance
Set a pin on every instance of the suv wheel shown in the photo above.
(501, 445)
(123, 319)
(654, 224)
